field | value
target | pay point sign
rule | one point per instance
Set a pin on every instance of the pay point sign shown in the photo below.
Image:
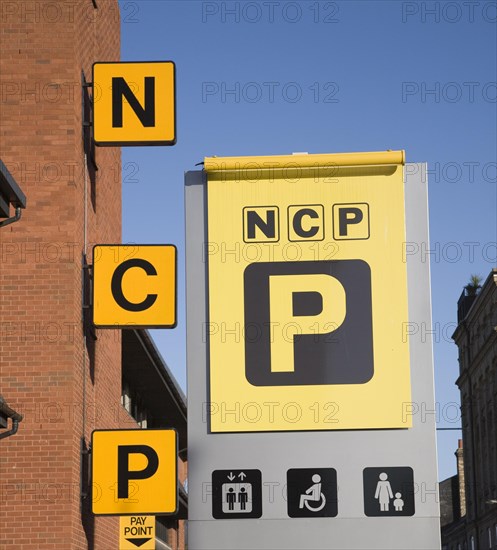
(137, 532)
(134, 472)
(307, 293)
(134, 286)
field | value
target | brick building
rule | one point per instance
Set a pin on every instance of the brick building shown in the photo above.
(476, 338)
(453, 506)
(62, 375)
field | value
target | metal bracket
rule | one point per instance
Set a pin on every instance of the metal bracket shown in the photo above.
(87, 123)
(87, 280)
(85, 85)
(88, 326)
(85, 470)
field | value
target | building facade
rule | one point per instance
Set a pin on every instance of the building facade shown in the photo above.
(61, 374)
(476, 338)
(453, 506)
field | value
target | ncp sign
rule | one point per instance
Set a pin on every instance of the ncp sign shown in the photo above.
(134, 286)
(323, 325)
(134, 103)
(134, 472)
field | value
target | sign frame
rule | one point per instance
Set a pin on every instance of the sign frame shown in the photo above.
(175, 476)
(138, 325)
(134, 143)
(347, 451)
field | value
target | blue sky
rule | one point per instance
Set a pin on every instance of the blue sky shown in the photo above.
(263, 78)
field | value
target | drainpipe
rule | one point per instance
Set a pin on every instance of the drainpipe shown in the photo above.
(13, 219)
(10, 413)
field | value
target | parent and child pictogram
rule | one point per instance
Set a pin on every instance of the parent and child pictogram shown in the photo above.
(384, 495)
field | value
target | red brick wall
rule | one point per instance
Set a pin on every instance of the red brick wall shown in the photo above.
(181, 535)
(43, 361)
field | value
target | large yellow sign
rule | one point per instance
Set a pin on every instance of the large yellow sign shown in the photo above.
(134, 472)
(307, 293)
(134, 286)
(137, 532)
(134, 103)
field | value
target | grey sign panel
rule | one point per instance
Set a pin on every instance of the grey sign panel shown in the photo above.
(361, 510)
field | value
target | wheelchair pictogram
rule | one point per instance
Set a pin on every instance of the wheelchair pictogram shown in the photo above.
(313, 494)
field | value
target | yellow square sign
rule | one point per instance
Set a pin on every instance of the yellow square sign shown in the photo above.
(134, 286)
(307, 296)
(137, 532)
(134, 103)
(134, 472)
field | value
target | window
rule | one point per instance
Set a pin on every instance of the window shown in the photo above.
(133, 404)
(164, 533)
(125, 397)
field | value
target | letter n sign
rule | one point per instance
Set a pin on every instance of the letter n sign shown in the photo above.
(134, 472)
(134, 286)
(134, 103)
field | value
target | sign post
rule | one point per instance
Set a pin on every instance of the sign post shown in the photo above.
(302, 366)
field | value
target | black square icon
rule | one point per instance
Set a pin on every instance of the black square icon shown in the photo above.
(236, 494)
(388, 491)
(312, 492)
(308, 323)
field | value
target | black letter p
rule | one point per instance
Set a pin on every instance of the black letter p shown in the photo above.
(124, 474)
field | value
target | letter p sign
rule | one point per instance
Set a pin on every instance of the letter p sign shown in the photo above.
(312, 317)
(134, 471)
(351, 221)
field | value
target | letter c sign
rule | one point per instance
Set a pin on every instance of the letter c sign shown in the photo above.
(134, 286)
